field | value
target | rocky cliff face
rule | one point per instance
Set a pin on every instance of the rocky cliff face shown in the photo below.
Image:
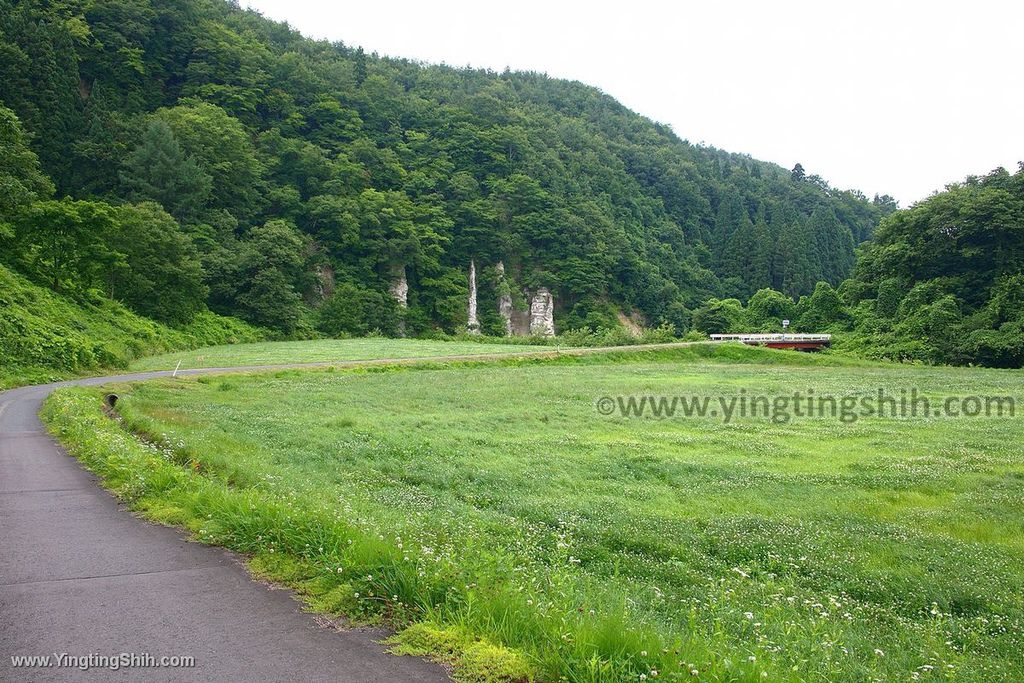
(542, 313)
(505, 307)
(400, 290)
(400, 287)
(539, 319)
(472, 322)
(505, 310)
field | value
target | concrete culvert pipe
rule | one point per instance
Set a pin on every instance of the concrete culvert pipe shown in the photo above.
(110, 399)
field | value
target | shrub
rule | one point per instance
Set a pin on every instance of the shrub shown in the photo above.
(720, 316)
(355, 310)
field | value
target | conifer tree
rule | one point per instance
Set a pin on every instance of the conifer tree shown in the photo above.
(731, 216)
(792, 265)
(158, 170)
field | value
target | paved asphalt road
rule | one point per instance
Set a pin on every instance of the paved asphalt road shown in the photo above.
(79, 574)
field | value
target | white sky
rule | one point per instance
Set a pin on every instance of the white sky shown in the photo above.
(890, 97)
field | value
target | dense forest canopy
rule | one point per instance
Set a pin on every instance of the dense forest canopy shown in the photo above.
(944, 280)
(199, 151)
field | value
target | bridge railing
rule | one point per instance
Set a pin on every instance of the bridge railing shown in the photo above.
(772, 337)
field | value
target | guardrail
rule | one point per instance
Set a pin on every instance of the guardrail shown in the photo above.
(772, 337)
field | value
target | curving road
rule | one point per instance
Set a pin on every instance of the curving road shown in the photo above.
(79, 574)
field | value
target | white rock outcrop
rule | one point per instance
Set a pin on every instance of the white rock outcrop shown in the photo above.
(472, 323)
(400, 287)
(538, 319)
(542, 313)
(400, 290)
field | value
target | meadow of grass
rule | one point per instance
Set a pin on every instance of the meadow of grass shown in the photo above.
(323, 350)
(491, 511)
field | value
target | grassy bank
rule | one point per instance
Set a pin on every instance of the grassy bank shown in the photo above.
(45, 337)
(524, 533)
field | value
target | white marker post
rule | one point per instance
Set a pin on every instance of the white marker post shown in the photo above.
(175, 373)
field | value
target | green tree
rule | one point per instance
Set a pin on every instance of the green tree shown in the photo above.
(890, 294)
(272, 267)
(833, 246)
(231, 69)
(159, 275)
(360, 66)
(224, 150)
(732, 217)
(21, 178)
(768, 308)
(792, 263)
(65, 243)
(747, 257)
(821, 310)
(331, 125)
(1007, 301)
(158, 170)
(355, 310)
(720, 316)
(271, 301)
(39, 69)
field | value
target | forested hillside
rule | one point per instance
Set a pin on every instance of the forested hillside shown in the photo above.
(941, 282)
(193, 155)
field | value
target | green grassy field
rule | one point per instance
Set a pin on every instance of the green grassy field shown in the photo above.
(521, 532)
(320, 351)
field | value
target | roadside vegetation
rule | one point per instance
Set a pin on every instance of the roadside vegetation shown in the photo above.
(46, 337)
(491, 514)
